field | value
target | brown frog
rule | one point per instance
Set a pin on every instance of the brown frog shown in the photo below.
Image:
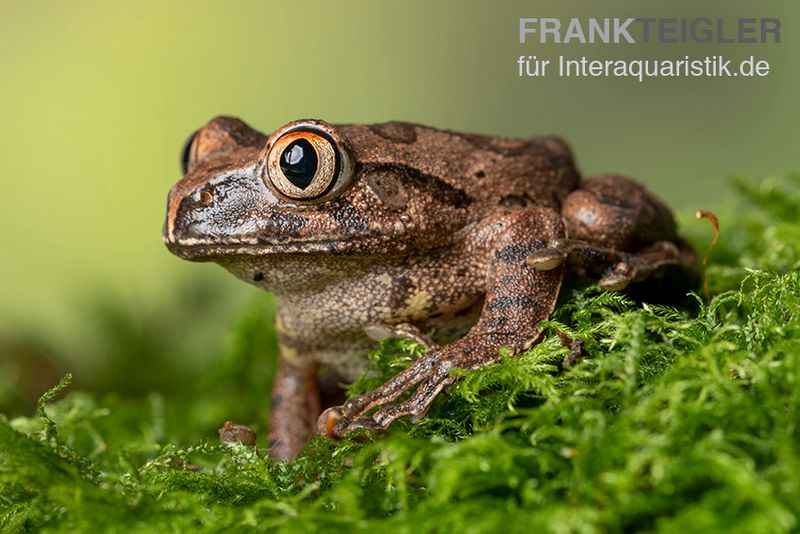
(398, 229)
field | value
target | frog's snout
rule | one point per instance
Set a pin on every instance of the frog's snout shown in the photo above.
(168, 232)
(216, 209)
(188, 223)
(177, 226)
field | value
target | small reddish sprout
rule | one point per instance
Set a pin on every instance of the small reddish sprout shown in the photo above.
(703, 214)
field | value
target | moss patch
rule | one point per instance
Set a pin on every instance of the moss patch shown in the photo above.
(681, 419)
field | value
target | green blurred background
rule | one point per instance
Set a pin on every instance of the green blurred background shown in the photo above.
(96, 99)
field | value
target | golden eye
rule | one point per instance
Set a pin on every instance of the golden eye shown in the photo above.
(305, 163)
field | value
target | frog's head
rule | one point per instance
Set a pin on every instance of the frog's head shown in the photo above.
(308, 188)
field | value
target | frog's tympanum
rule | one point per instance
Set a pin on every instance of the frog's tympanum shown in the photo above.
(396, 229)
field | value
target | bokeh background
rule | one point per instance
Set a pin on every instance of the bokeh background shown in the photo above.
(96, 99)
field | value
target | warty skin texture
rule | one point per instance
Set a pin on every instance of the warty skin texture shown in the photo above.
(416, 230)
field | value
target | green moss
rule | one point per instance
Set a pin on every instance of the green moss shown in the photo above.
(680, 419)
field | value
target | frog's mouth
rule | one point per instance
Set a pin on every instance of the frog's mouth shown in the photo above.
(196, 250)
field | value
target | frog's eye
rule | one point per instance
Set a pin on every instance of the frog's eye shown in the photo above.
(187, 152)
(307, 164)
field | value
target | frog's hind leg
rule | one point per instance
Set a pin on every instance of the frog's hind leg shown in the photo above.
(518, 298)
(618, 231)
(615, 269)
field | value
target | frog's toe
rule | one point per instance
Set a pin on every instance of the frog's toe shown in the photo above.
(334, 425)
(546, 259)
(380, 331)
(354, 406)
(415, 407)
(364, 422)
(638, 266)
(380, 420)
(618, 277)
(326, 424)
(389, 414)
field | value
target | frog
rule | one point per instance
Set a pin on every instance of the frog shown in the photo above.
(458, 241)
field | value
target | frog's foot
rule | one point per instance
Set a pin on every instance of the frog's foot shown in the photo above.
(402, 331)
(429, 375)
(617, 268)
(518, 298)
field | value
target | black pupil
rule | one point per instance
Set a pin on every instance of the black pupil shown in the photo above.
(299, 163)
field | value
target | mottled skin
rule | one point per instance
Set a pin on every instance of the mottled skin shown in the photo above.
(421, 230)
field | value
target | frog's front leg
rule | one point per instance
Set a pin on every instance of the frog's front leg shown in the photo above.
(295, 407)
(518, 298)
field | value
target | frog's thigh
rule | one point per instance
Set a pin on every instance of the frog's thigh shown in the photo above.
(295, 408)
(518, 298)
(617, 212)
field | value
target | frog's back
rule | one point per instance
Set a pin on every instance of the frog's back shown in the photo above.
(492, 170)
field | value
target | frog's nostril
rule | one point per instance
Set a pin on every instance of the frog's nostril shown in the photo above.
(206, 198)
